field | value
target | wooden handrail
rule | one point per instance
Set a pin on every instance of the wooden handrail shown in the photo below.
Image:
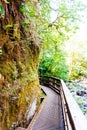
(76, 119)
(73, 116)
(52, 82)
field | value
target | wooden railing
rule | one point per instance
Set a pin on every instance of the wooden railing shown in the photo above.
(51, 82)
(73, 116)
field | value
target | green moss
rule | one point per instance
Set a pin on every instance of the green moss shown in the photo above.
(8, 70)
(19, 82)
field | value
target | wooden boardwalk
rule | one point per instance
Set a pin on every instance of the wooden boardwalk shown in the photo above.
(50, 116)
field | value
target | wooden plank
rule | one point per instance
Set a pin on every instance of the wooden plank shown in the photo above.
(79, 120)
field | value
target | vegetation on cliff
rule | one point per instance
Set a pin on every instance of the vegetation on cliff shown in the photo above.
(19, 60)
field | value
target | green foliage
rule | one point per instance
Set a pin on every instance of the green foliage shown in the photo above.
(22, 9)
(54, 35)
(1, 10)
(79, 67)
(45, 10)
(30, 9)
(54, 64)
(77, 59)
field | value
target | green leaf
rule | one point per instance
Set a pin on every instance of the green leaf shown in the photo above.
(1, 10)
(7, 26)
(22, 9)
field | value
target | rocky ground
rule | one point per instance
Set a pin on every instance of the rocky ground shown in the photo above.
(78, 88)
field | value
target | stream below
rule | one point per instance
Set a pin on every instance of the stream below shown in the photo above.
(78, 88)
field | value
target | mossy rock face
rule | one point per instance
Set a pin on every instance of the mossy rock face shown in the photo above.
(19, 59)
(19, 83)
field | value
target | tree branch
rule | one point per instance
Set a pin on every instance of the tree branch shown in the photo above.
(58, 17)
